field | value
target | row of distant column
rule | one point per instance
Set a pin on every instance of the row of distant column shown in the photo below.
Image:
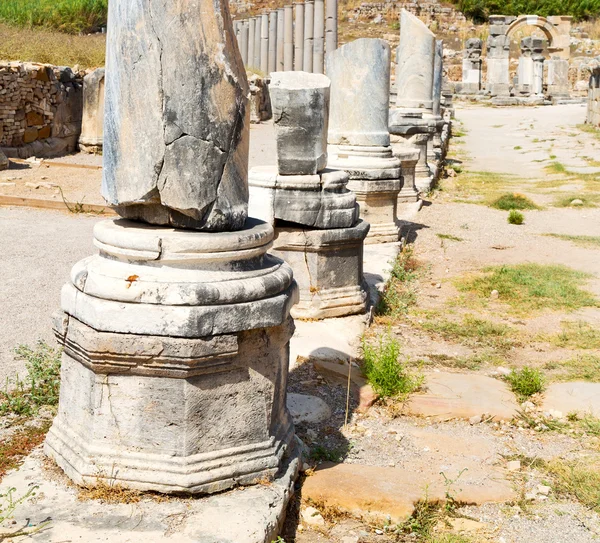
(294, 37)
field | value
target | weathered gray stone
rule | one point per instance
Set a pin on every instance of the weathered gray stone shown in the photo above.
(320, 201)
(175, 360)
(4, 164)
(307, 409)
(359, 73)
(415, 63)
(409, 157)
(92, 124)
(328, 267)
(471, 67)
(176, 123)
(438, 75)
(300, 104)
(260, 100)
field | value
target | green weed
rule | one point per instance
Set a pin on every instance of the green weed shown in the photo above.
(578, 335)
(582, 241)
(577, 478)
(386, 374)
(526, 381)
(515, 217)
(580, 368)
(509, 201)
(449, 237)
(400, 292)
(556, 167)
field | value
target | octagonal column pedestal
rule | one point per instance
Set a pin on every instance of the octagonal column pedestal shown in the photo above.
(175, 360)
(409, 157)
(328, 267)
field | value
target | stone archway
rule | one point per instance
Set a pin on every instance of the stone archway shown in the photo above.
(556, 29)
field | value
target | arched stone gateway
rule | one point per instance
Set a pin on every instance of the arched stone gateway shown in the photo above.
(502, 27)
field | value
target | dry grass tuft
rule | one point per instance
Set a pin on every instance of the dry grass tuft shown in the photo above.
(108, 493)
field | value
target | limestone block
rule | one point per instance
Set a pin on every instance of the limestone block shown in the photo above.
(415, 63)
(175, 360)
(360, 74)
(320, 201)
(4, 163)
(92, 124)
(177, 121)
(328, 267)
(300, 104)
(260, 100)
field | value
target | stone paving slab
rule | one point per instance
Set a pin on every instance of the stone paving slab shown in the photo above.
(244, 515)
(459, 395)
(375, 492)
(579, 396)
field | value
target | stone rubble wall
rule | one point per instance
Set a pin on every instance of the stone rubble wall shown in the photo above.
(40, 109)
(593, 104)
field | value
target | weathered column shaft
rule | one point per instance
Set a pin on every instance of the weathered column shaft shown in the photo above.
(245, 41)
(319, 37)
(299, 38)
(264, 43)
(498, 51)
(288, 38)
(251, 31)
(309, 22)
(272, 41)
(257, 42)
(331, 26)
(280, 39)
(438, 75)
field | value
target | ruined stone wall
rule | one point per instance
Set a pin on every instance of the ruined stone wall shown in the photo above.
(40, 109)
(593, 105)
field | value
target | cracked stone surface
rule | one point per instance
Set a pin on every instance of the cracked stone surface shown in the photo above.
(177, 121)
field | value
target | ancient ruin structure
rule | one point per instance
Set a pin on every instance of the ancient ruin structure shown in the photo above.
(593, 103)
(359, 139)
(471, 66)
(413, 119)
(92, 124)
(556, 29)
(175, 341)
(316, 218)
(530, 74)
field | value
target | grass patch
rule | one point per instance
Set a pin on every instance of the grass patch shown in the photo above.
(580, 368)
(70, 16)
(51, 47)
(587, 200)
(471, 331)
(526, 382)
(319, 454)
(578, 335)
(517, 147)
(400, 292)
(531, 287)
(582, 241)
(39, 388)
(449, 237)
(485, 185)
(577, 478)
(515, 217)
(386, 374)
(556, 167)
(509, 201)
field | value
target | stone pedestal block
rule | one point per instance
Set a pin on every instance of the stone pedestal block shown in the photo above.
(175, 360)
(319, 201)
(558, 78)
(176, 129)
(92, 122)
(408, 157)
(300, 103)
(328, 267)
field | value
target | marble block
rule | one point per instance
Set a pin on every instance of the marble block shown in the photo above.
(175, 360)
(360, 75)
(176, 128)
(300, 103)
(328, 266)
(92, 123)
(318, 201)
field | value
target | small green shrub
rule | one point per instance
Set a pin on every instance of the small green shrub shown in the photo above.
(386, 374)
(526, 382)
(515, 217)
(40, 387)
(509, 201)
(400, 291)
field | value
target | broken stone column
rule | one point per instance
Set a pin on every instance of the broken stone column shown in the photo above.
(309, 23)
(471, 66)
(331, 26)
(273, 41)
(92, 124)
(359, 140)
(413, 114)
(175, 340)
(245, 34)
(299, 37)
(251, 31)
(264, 43)
(288, 39)
(537, 49)
(434, 146)
(280, 39)
(558, 78)
(525, 69)
(317, 229)
(408, 157)
(319, 37)
(498, 51)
